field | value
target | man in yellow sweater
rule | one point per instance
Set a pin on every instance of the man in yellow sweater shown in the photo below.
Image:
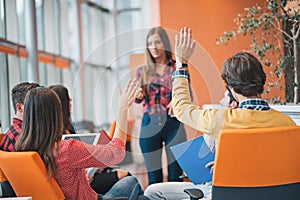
(244, 77)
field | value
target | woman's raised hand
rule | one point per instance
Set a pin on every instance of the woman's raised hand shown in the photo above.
(184, 45)
(127, 97)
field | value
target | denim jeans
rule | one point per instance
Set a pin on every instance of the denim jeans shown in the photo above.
(128, 187)
(158, 132)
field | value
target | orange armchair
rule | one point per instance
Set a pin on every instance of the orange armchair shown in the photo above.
(257, 164)
(27, 175)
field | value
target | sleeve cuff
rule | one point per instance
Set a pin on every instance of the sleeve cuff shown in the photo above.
(180, 74)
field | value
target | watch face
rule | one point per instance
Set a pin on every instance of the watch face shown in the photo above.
(178, 65)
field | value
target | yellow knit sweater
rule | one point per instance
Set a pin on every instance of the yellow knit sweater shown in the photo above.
(212, 121)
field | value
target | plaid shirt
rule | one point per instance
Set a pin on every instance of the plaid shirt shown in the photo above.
(9, 140)
(160, 90)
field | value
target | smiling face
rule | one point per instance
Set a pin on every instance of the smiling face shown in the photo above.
(156, 46)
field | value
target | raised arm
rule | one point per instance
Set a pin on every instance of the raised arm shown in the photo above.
(207, 121)
(184, 46)
(126, 98)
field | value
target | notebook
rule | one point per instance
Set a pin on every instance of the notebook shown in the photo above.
(89, 138)
(192, 156)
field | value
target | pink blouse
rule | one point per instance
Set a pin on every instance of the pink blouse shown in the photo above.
(72, 159)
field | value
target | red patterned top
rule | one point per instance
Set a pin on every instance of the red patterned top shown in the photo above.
(72, 159)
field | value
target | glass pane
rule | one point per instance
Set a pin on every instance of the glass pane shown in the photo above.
(14, 70)
(50, 26)
(53, 75)
(4, 97)
(125, 21)
(73, 36)
(64, 31)
(23, 69)
(43, 73)
(85, 29)
(57, 27)
(21, 21)
(68, 77)
(103, 3)
(49, 74)
(123, 4)
(125, 41)
(89, 86)
(128, 4)
(39, 7)
(100, 95)
(2, 22)
(77, 94)
(96, 37)
(108, 4)
(11, 21)
(14, 77)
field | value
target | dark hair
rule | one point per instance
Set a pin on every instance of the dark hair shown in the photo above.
(19, 91)
(244, 73)
(42, 126)
(149, 67)
(64, 97)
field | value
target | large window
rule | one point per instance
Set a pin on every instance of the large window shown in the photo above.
(78, 45)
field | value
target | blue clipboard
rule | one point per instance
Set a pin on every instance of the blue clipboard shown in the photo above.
(192, 156)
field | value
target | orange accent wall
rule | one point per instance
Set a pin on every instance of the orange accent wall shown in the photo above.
(208, 20)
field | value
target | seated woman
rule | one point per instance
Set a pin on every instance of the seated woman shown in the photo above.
(104, 179)
(66, 160)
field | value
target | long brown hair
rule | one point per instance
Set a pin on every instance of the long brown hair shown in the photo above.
(64, 98)
(149, 67)
(42, 126)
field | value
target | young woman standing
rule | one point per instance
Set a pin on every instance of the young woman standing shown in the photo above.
(159, 128)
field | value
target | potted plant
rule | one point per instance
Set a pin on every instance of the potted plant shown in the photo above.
(275, 33)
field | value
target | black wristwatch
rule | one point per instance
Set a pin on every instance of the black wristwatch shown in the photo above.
(180, 65)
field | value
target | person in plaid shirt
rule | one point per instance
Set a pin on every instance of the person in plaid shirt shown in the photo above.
(159, 128)
(8, 142)
(17, 94)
